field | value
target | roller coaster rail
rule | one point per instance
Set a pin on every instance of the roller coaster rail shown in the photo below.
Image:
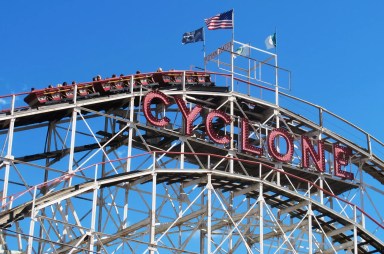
(321, 111)
(155, 155)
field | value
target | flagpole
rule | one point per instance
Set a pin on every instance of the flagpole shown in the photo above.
(205, 64)
(276, 79)
(232, 127)
(232, 49)
(276, 41)
(233, 25)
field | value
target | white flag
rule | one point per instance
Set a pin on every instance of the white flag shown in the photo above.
(243, 51)
(270, 42)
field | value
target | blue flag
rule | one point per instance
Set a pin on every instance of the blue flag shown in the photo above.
(194, 36)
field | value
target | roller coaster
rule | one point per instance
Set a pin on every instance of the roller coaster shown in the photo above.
(185, 162)
(99, 87)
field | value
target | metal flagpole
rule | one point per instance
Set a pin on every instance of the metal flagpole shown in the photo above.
(276, 72)
(205, 64)
(231, 169)
(232, 112)
(275, 41)
(232, 55)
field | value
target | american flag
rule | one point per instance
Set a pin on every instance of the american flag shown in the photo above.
(220, 21)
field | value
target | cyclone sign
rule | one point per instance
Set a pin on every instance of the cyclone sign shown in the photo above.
(341, 154)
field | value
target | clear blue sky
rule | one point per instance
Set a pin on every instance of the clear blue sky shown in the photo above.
(333, 48)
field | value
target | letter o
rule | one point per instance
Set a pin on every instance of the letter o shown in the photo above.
(272, 145)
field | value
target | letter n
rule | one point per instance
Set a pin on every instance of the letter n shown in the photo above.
(307, 150)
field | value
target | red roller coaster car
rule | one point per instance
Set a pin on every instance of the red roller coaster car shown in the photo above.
(157, 80)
